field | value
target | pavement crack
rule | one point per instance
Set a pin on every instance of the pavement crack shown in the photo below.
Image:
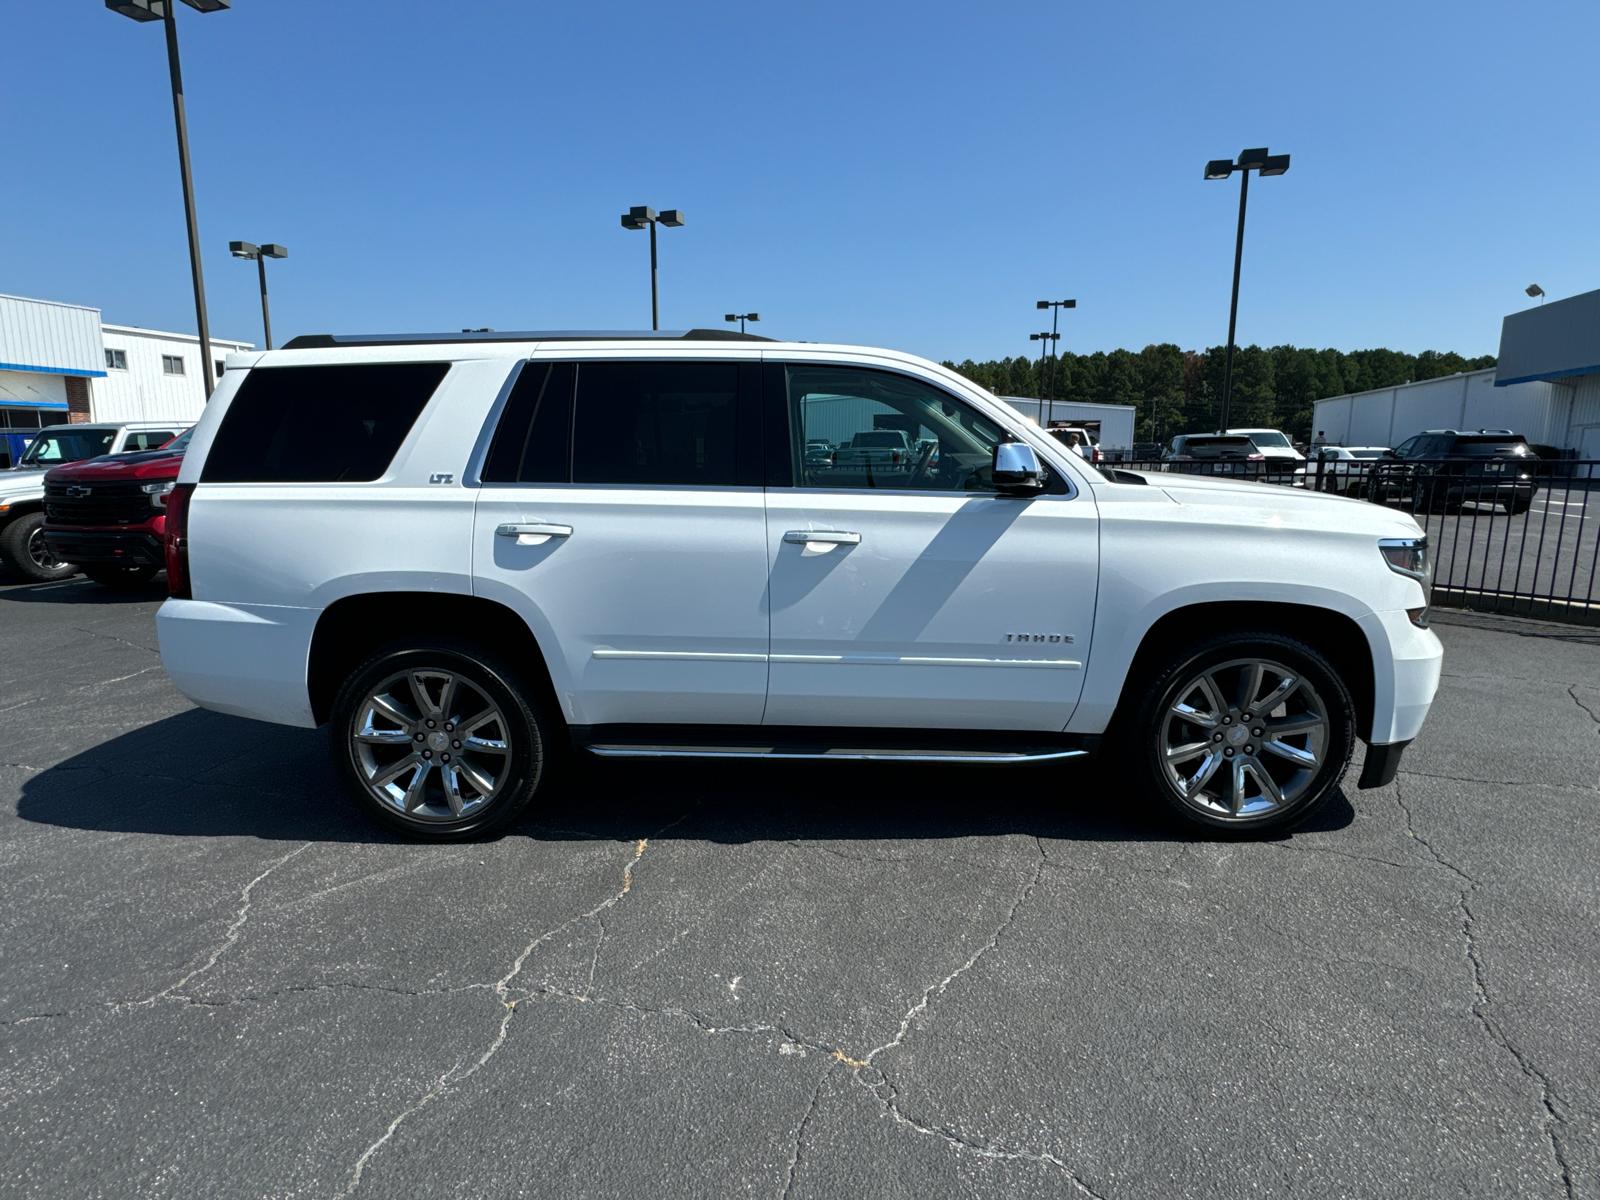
(963, 1144)
(938, 989)
(800, 1137)
(229, 938)
(456, 1076)
(113, 638)
(1573, 692)
(1482, 1004)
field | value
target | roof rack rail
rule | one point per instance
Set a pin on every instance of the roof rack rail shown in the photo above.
(329, 341)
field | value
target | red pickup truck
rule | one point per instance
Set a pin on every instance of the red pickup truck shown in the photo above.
(108, 514)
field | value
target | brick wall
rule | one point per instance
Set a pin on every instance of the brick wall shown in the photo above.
(77, 400)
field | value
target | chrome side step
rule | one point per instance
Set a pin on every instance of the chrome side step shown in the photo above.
(914, 755)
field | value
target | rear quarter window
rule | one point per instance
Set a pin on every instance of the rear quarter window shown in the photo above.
(330, 424)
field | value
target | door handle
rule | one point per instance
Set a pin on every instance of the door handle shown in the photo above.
(826, 537)
(532, 529)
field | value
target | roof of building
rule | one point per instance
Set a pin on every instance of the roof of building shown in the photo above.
(1552, 341)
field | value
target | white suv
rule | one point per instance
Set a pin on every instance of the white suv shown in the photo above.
(469, 554)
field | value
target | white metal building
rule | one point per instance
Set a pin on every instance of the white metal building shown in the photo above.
(152, 376)
(58, 363)
(1546, 387)
(1388, 416)
(1111, 423)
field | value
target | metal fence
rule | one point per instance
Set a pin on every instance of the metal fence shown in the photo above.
(1508, 535)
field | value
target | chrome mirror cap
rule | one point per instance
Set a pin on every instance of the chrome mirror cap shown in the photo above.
(1017, 467)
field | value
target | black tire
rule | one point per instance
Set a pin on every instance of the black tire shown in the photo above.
(115, 575)
(1301, 789)
(531, 737)
(1428, 497)
(22, 546)
(1518, 505)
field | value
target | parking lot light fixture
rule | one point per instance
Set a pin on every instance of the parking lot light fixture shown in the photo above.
(1055, 307)
(742, 318)
(1220, 168)
(1044, 339)
(260, 253)
(642, 216)
(1533, 289)
(162, 10)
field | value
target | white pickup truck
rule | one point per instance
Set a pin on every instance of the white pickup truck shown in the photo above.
(500, 548)
(22, 547)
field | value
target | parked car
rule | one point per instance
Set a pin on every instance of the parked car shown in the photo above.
(22, 547)
(1441, 468)
(499, 549)
(1215, 454)
(108, 515)
(877, 452)
(1274, 444)
(1090, 447)
(1343, 469)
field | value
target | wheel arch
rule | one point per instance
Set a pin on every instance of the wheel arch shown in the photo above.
(353, 627)
(1333, 634)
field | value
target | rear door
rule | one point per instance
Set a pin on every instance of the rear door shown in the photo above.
(621, 513)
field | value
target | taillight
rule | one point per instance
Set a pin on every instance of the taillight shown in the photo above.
(177, 541)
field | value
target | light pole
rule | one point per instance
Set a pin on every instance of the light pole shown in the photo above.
(1221, 168)
(1055, 307)
(161, 10)
(643, 217)
(1044, 340)
(261, 253)
(742, 318)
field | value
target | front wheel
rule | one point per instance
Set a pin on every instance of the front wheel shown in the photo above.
(22, 546)
(1247, 732)
(440, 741)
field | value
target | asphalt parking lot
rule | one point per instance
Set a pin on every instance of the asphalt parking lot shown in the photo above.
(217, 979)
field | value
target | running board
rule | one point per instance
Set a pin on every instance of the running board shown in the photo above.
(943, 746)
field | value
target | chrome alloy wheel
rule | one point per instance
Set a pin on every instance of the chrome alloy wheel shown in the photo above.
(1243, 739)
(430, 746)
(40, 553)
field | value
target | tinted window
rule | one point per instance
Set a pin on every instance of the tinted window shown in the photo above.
(533, 442)
(335, 424)
(656, 423)
(147, 439)
(874, 429)
(1490, 447)
(51, 448)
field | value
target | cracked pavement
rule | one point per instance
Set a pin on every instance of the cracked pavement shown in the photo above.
(840, 980)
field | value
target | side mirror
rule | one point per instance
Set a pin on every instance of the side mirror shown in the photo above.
(1017, 468)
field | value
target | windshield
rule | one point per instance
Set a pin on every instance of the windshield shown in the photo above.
(1276, 440)
(1366, 453)
(181, 442)
(1489, 447)
(887, 439)
(67, 445)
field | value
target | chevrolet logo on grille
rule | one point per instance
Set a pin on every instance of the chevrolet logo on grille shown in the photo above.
(75, 490)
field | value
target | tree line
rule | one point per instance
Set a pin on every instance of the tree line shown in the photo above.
(1180, 391)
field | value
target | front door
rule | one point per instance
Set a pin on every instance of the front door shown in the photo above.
(621, 514)
(906, 591)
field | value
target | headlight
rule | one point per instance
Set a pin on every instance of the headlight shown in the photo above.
(1409, 557)
(158, 491)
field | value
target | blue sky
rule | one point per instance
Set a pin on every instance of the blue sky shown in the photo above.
(906, 175)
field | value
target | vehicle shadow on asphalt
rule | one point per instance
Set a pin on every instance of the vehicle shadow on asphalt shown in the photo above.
(204, 774)
(79, 590)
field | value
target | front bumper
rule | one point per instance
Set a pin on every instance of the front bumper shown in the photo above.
(1405, 675)
(134, 547)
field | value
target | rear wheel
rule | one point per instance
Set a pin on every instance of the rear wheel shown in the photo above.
(115, 575)
(1248, 732)
(22, 545)
(1519, 504)
(439, 740)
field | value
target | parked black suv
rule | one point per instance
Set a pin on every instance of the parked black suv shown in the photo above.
(1440, 468)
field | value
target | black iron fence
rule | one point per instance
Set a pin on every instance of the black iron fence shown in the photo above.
(1508, 535)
